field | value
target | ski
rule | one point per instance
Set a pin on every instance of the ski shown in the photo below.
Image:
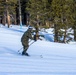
(23, 55)
(37, 56)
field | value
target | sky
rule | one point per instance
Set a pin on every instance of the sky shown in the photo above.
(46, 58)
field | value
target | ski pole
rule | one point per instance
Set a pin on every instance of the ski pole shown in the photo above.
(20, 49)
(32, 43)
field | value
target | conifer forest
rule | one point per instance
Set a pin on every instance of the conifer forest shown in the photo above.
(57, 14)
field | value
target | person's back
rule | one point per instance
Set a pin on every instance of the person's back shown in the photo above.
(25, 37)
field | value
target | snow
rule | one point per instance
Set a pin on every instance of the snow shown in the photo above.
(46, 58)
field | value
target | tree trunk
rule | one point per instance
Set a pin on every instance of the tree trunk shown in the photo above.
(47, 24)
(4, 19)
(15, 19)
(64, 40)
(7, 15)
(56, 33)
(75, 34)
(8, 19)
(37, 28)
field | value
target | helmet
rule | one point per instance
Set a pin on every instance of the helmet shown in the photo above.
(30, 27)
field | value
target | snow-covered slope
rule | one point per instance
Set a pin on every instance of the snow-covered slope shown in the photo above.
(46, 58)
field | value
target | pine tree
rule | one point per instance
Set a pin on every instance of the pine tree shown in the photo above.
(38, 11)
(74, 16)
(1, 6)
(62, 15)
(1, 9)
(41, 10)
(8, 10)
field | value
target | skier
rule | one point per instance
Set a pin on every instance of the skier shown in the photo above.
(25, 40)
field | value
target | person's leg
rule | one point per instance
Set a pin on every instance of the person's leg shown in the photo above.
(25, 51)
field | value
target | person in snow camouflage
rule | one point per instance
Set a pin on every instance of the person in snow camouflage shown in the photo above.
(25, 40)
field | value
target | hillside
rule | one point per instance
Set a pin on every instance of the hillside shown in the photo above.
(46, 58)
